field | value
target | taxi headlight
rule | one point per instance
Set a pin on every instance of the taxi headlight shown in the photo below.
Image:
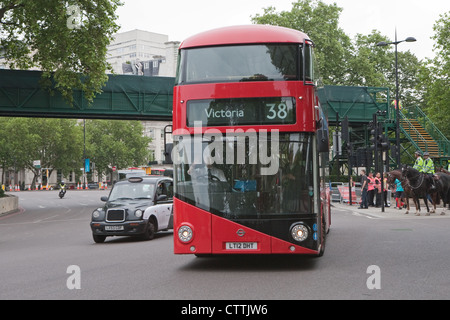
(138, 213)
(96, 213)
(185, 233)
(299, 232)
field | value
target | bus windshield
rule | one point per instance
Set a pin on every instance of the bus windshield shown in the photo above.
(239, 190)
(261, 62)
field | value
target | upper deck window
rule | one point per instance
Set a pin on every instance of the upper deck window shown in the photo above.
(268, 62)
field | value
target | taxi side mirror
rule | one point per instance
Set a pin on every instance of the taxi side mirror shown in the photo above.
(161, 197)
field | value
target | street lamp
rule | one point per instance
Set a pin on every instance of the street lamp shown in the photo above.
(397, 104)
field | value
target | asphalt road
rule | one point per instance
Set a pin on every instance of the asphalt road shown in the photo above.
(47, 252)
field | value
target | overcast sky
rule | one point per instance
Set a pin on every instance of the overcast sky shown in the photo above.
(180, 19)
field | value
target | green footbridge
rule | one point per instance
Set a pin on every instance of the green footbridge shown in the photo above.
(359, 104)
(123, 97)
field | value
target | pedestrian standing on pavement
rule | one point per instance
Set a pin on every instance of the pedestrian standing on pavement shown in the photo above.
(399, 194)
(364, 187)
(370, 189)
(377, 190)
(385, 190)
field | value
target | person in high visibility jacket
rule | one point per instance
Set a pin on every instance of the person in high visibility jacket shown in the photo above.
(418, 165)
(428, 164)
(428, 168)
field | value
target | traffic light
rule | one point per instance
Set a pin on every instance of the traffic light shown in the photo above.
(344, 130)
(383, 143)
(382, 140)
(363, 157)
(373, 125)
(394, 151)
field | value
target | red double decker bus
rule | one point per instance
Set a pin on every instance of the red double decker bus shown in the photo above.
(250, 146)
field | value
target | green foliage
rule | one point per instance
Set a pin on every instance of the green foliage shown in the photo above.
(58, 144)
(359, 62)
(368, 63)
(320, 22)
(116, 143)
(69, 41)
(434, 77)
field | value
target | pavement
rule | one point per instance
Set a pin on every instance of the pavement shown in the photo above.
(391, 212)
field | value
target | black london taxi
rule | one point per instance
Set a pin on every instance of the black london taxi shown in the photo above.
(138, 206)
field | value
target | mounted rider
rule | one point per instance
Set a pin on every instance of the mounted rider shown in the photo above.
(428, 169)
(425, 166)
(418, 165)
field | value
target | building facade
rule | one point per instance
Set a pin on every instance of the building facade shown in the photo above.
(144, 53)
(135, 52)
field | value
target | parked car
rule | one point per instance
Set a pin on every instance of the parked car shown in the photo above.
(93, 185)
(137, 206)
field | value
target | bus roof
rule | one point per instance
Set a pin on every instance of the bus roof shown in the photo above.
(244, 34)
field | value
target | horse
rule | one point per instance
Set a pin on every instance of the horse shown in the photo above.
(420, 186)
(442, 183)
(407, 191)
(442, 170)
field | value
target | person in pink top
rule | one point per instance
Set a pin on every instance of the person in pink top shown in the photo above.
(370, 189)
(377, 190)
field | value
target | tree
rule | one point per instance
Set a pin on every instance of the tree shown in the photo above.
(117, 143)
(65, 39)
(434, 76)
(320, 22)
(342, 61)
(57, 143)
(374, 66)
(368, 63)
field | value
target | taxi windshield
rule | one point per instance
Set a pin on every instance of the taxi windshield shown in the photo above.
(129, 191)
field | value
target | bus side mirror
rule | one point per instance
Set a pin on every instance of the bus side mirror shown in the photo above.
(168, 153)
(322, 141)
(319, 123)
(167, 146)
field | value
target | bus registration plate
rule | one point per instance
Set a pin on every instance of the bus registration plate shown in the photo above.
(241, 246)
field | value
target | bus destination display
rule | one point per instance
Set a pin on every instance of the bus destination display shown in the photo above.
(241, 111)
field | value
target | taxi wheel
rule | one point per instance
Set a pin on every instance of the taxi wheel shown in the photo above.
(98, 239)
(151, 230)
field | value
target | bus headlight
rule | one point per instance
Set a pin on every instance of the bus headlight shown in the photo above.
(138, 213)
(299, 232)
(185, 234)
